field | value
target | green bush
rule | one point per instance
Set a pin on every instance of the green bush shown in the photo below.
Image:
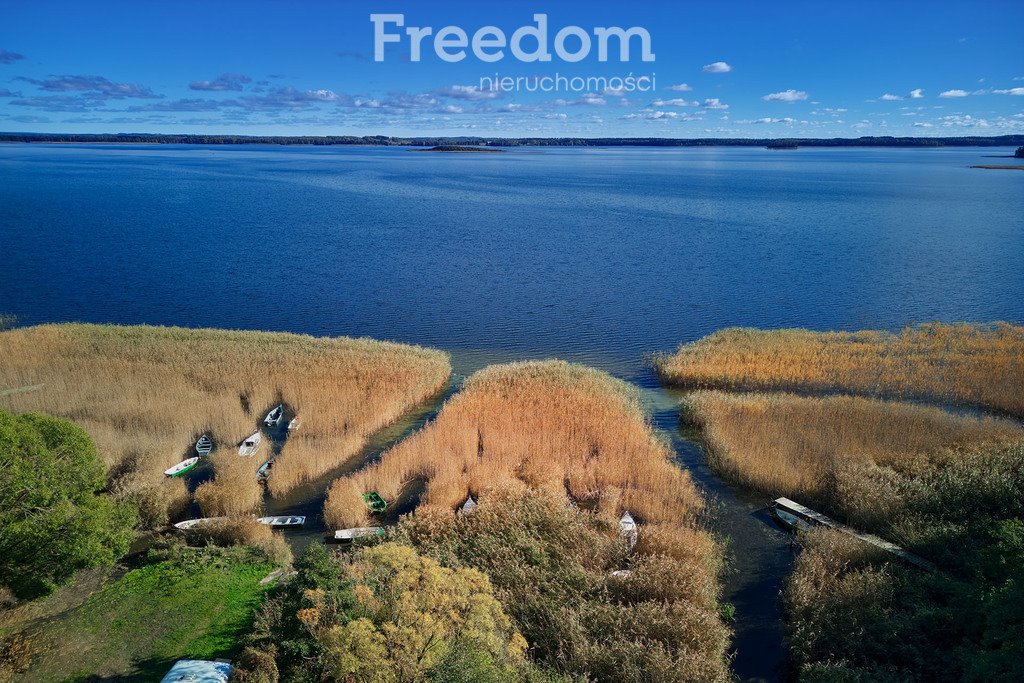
(54, 520)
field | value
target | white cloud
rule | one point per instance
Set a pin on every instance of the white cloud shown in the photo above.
(452, 109)
(916, 94)
(786, 96)
(1010, 91)
(889, 98)
(953, 93)
(556, 117)
(468, 92)
(767, 119)
(714, 103)
(717, 68)
(676, 102)
(592, 99)
(922, 124)
(680, 87)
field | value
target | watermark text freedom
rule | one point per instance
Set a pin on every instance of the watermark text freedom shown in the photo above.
(528, 43)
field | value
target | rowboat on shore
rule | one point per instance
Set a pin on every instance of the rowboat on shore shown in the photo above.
(283, 522)
(251, 444)
(193, 523)
(274, 416)
(204, 445)
(374, 503)
(294, 424)
(350, 535)
(182, 467)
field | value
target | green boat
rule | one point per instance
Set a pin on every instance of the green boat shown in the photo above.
(374, 503)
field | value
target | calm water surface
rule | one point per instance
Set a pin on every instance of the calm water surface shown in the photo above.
(593, 255)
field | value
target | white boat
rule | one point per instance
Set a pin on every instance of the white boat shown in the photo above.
(349, 535)
(204, 445)
(251, 444)
(622, 573)
(627, 529)
(294, 424)
(468, 506)
(283, 521)
(274, 416)
(193, 523)
(182, 467)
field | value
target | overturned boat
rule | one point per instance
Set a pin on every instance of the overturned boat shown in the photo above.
(193, 523)
(283, 521)
(294, 424)
(350, 535)
(468, 506)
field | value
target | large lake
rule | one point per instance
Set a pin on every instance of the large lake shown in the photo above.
(599, 255)
(593, 255)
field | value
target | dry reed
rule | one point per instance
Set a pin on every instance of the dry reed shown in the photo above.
(976, 364)
(145, 393)
(549, 425)
(788, 445)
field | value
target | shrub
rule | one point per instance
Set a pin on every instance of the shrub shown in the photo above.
(244, 530)
(550, 564)
(53, 518)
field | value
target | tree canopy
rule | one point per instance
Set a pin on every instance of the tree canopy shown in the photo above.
(54, 520)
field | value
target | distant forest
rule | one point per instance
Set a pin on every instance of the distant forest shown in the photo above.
(384, 141)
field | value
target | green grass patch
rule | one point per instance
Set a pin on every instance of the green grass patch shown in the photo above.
(187, 603)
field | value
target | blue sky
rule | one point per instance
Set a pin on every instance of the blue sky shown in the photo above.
(740, 69)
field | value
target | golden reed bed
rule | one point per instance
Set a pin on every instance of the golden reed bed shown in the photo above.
(789, 445)
(145, 393)
(545, 424)
(975, 364)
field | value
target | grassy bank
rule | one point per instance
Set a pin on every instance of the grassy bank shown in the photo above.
(976, 364)
(539, 424)
(185, 603)
(145, 394)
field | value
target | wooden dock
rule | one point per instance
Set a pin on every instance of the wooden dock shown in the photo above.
(813, 518)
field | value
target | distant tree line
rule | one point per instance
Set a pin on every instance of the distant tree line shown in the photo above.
(385, 141)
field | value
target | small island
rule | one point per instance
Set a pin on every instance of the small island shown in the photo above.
(460, 148)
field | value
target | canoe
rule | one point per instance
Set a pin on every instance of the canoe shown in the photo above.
(274, 416)
(349, 535)
(204, 445)
(251, 444)
(294, 424)
(263, 473)
(468, 506)
(283, 521)
(182, 467)
(193, 523)
(374, 503)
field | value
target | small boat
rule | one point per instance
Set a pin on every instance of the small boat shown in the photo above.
(628, 529)
(374, 503)
(274, 416)
(294, 424)
(251, 444)
(287, 521)
(349, 535)
(182, 467)
(193, 523)
(204, 445)
(622, 573)
(791, 521)
(468, 506)
(263, 473)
